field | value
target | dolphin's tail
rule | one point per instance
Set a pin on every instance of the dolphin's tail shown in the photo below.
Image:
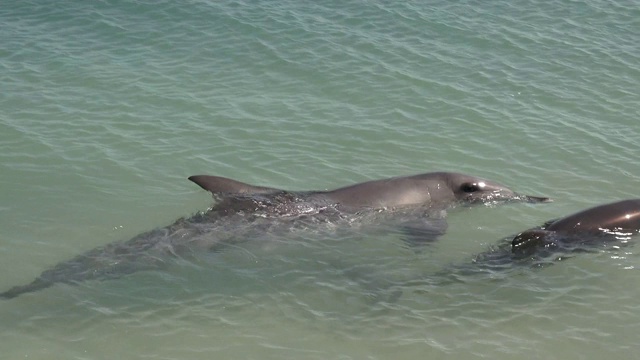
(111, 261)
(89, 266)
(37, 284)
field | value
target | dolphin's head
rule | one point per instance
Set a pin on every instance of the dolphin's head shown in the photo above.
(472, 190)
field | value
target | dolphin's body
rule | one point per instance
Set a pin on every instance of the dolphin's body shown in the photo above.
(245, 211)
(614, 223)
(598, 224)
(426, 190)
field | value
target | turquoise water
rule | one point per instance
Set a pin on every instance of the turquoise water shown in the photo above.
(107, 107)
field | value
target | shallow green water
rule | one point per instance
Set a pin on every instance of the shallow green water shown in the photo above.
(107, 107)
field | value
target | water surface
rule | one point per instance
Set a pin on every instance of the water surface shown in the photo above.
(108, 106)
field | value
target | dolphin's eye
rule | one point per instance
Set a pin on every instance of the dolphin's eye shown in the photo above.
(469, 187)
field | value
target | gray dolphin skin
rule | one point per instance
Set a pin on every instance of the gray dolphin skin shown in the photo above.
(612, 221)
(246, 211)
(430, 189)
(583, 231)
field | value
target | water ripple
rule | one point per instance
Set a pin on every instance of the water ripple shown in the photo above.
(107, 107)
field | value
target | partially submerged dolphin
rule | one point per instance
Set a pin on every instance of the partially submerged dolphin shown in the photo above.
(614, 223)
(242, 210)
(603, 223)
(442, 189)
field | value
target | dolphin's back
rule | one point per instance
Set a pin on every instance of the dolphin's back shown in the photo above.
(399, 191)
(623, 214)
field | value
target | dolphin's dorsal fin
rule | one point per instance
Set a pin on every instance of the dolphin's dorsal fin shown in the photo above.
(219, 185)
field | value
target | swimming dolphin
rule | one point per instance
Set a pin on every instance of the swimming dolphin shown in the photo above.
(242, 210)
(426, 190)
(595, 225)
(613, 223)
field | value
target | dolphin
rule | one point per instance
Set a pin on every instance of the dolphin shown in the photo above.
(245, 211)
(442, 189)
(613, 223)
(603, 223)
